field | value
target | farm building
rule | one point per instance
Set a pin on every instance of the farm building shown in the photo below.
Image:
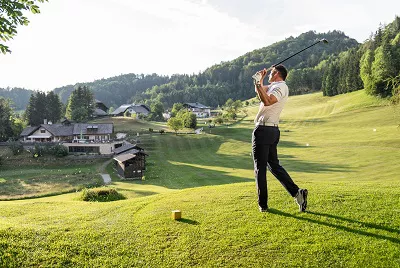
(128, 147)
(131, 166)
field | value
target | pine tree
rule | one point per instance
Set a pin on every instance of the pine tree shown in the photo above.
(36, 112)
(81, 104)
(6, 130)
(53, 107)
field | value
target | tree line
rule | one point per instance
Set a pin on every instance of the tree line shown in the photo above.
(373, 65)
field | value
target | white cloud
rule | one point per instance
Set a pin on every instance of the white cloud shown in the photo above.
(77, 41)
(86, 40)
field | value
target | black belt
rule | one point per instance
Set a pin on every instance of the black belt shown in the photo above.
(266, 124)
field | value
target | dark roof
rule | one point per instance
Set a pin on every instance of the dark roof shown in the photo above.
(124, 157)
(65, 121)
(128, 147)
(70, 130)
(59, 129)
(196, 105)
(27, 131)
(82, 128)
(138, 108)
(99, 112)
(121, 109)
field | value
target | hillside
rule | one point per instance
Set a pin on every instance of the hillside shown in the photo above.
(344, 149)
(214, 85)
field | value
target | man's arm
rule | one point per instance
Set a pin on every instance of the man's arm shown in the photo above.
(266, 99)
(261, 90)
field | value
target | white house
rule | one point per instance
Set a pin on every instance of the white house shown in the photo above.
(198, 109)
(132, 109)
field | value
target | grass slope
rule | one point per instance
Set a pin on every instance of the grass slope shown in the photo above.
(344, 149)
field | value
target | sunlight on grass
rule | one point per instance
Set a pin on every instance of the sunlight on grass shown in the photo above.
(235, 172)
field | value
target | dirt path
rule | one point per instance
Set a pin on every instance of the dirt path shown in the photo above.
(102, 170)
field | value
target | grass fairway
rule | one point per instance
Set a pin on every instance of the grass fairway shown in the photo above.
(344, 149)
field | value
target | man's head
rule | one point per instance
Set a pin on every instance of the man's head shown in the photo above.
(278, 73)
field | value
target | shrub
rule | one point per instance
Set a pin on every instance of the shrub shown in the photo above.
(219, 120)
(150, 130)
(16, 147)
(103, 194)
(161, 131)
(60, 150)
(37, 150)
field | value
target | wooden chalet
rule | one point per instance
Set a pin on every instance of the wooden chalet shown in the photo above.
(131, 166)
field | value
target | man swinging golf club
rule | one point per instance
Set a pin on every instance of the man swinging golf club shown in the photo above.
(266, 135)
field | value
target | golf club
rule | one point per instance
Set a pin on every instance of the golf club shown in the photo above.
(323, 40)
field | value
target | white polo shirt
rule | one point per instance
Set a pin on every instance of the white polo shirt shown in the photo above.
(270, 114)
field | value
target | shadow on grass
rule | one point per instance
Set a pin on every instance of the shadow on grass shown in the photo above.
(188, 221)
(341, 227)
(366, 224)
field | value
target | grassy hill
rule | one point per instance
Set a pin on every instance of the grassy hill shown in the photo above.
(343, 149)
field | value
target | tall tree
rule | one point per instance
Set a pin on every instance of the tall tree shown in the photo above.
(157, 109)
(41, 107)
(81, 104)
(6, 130)
(383, 68)
(53, 107)
(11, 15)
(35, 112)
(366, 70)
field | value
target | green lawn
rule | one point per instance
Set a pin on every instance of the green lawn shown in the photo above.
(343, 149)
(23, 176)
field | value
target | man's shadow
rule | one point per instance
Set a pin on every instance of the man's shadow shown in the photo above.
(342, 227)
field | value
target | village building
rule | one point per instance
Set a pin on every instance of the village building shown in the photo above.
(100, 110)
(92, 138)
(128, 147)
(138, 109)
(200, 110)
(131, 166)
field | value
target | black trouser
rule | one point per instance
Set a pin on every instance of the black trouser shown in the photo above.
(264, 142)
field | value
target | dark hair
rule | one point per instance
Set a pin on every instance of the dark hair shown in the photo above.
(282, 71)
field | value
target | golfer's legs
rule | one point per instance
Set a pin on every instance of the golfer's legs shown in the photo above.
(279, 172)
(260, 157)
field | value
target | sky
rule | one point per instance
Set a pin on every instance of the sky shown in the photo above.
(73, 41)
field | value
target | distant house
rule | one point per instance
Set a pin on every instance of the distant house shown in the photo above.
(78, 137)
(198, 109)
(132, 109)
(130, 166)
(101, 109)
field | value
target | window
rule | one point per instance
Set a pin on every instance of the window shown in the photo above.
(84, 149)
(42, 131)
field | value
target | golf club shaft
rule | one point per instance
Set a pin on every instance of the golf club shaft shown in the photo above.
(297, 53)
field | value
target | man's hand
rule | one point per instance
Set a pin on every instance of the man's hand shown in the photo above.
(264, 72)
